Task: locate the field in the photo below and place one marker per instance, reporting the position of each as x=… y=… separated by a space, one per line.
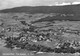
x=25 y=33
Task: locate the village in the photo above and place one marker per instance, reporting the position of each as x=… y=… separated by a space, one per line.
x=30 y=37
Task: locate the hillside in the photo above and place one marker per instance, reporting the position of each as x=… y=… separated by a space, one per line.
x=68 y=9
x=32 y=30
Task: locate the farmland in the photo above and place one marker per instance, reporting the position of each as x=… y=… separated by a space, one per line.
x=34 y=32
x=40 y=31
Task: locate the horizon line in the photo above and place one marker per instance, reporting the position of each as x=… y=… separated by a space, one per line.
x=42 y=5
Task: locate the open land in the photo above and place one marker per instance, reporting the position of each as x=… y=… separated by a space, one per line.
x=37 y=35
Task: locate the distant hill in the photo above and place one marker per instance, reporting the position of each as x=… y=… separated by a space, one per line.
x=67 y=9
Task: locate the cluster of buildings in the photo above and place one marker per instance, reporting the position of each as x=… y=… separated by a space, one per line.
x=34 y=34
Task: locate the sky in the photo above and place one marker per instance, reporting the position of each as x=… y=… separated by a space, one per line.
x=15 y=3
